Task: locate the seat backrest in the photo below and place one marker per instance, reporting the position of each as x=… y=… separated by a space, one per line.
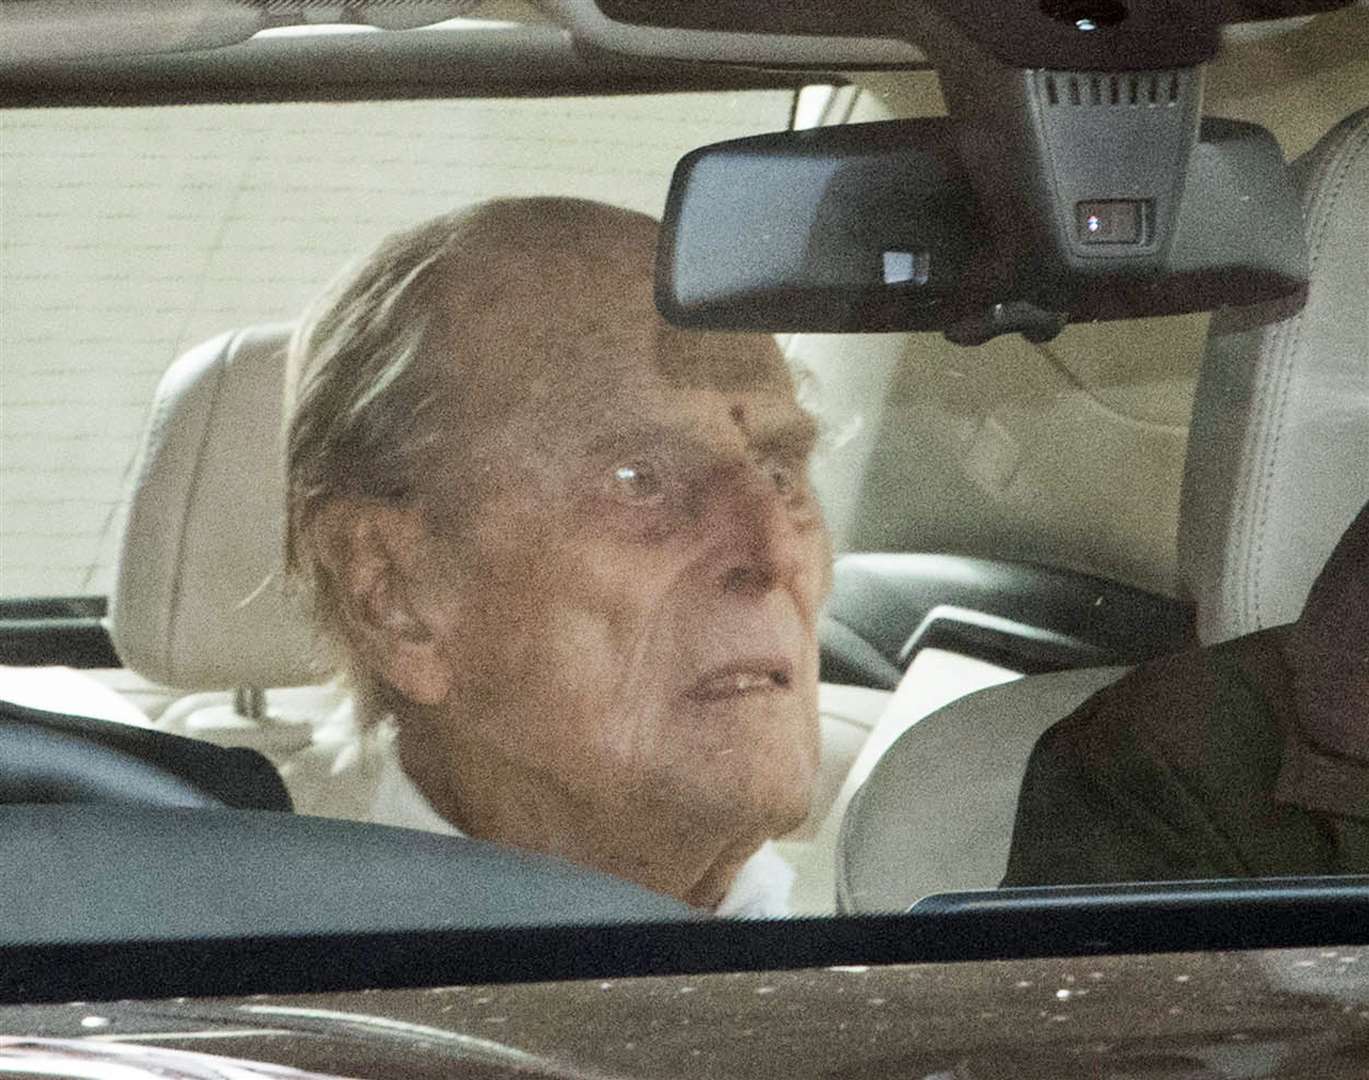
x=936 y=813
x=1277 y=467
x=200 y=599
x=1279 y=443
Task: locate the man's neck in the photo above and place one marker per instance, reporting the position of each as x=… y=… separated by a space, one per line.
x=652 y=844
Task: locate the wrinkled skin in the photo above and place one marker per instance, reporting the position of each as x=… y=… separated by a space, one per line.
x=614 y=659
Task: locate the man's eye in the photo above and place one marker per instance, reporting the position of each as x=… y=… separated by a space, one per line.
x=637 y=482
x=789 y=481
x=783 y=477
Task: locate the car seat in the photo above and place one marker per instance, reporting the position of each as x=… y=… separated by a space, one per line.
x=1277 y=466
x=200 y=601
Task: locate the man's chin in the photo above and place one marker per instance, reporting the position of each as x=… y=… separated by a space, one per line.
x=745 y=766
x=753 y=812
x=790 y=819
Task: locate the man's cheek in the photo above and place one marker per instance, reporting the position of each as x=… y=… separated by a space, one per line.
x=626 y=623
x=609 y=671
x=812 y=728
x=622 y=581
x=821 y=562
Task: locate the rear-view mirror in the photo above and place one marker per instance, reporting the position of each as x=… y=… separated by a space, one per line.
x=881 y=227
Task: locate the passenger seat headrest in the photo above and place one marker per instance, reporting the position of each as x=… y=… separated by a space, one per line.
x=1278 y=459
x=199 y=597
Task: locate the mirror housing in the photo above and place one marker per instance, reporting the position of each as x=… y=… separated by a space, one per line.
x=923 y=225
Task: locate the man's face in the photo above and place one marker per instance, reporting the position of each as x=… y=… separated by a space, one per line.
x=635 y=619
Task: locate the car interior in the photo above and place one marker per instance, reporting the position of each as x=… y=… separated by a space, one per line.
x=1275 y=470
x=1032 y=484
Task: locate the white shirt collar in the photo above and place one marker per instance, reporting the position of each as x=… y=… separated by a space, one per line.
x=397 y=800
x=761 y=888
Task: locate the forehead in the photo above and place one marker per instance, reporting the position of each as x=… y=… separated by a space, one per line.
x=723 y=395
x=703 y=423
x=579 y=346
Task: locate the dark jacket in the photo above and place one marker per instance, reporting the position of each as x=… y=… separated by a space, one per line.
x=1247 y=759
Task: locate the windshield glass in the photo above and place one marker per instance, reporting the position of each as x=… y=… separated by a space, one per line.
x=135 y=234
x=359 y=423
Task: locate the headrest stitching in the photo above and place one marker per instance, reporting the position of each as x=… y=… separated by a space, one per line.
x=1336 y=160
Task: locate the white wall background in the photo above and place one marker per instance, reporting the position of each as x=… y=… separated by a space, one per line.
x=129 y=235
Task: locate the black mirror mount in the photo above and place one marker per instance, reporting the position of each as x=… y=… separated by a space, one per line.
x=1014 y=317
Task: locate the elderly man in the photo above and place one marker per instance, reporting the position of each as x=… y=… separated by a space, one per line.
x=569 y=554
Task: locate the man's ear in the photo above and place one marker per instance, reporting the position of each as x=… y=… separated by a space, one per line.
x=380 y=560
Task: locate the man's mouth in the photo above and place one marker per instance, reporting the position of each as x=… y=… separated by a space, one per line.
x=738 y=680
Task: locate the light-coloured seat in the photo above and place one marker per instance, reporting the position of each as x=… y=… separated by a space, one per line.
x=1277 y=466
x=936 y=813
x=200 y=599
x=1279 y=443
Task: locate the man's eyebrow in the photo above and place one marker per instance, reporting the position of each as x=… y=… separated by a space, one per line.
x=795 y=437
x=635 y=433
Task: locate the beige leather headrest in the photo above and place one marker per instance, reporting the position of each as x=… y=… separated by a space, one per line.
x=1278 y=460
x=199 y=600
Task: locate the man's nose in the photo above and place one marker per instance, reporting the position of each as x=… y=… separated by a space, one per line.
x=760 y=544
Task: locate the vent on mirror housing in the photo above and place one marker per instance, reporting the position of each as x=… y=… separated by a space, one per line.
x=1138 y=89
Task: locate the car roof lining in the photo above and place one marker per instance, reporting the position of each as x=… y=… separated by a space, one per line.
x=509 y=61
x=499 y=48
